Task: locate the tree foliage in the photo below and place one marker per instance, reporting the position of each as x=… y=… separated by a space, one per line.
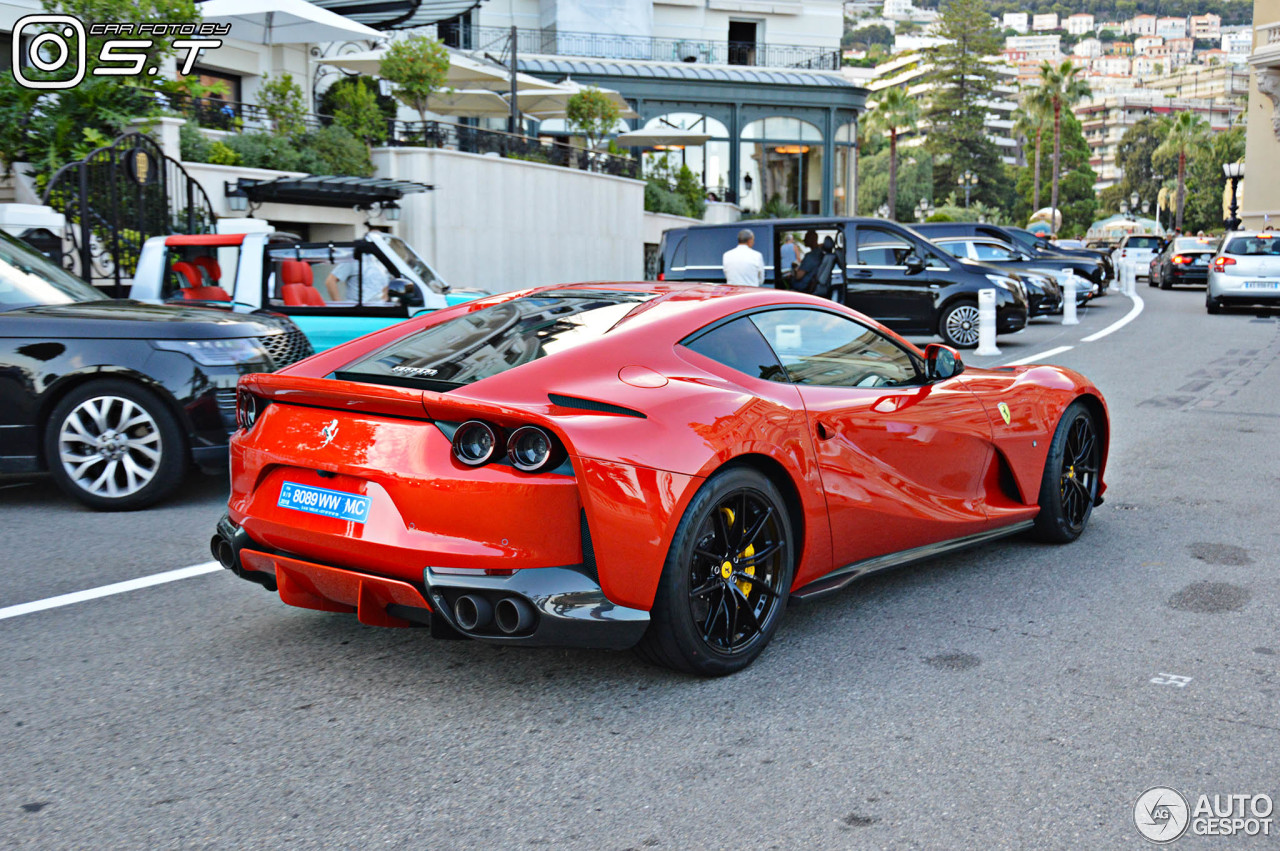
x=963 y=80
x=1187 y=131
x=1077 y=201
x=281 y=99
x=895 y=112
x=1061 y=88
x=915 y=179
x=591 y=113
x=419 y=66
x=356 y=109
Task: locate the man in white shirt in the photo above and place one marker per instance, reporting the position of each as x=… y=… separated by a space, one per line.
x=744 y=266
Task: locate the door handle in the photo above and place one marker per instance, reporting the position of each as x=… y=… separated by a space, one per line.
x=864 y=273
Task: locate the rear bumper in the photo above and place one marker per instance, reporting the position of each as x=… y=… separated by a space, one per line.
x=566 y=604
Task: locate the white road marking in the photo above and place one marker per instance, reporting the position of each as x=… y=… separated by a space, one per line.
x=1138 y=304
x=1171 y=680
x=1038 y=356
x=108 y=590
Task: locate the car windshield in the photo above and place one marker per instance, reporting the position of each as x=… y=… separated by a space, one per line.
x=494 y=339
x=415 y=263
x=1148 y=242
x=1247 y=246
x=28 y=279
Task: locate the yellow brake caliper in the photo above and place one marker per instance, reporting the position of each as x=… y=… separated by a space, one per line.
x=726 y=569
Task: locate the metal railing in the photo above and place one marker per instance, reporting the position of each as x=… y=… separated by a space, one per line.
x=651 y=48
x=477 y=140
x=220 y=114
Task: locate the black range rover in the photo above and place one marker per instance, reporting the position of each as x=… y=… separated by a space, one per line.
x=115 y=398
x=880 y=268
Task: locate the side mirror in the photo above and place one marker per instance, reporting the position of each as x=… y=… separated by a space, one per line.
x=404 y=291
x=913 y=263
x=941 y=362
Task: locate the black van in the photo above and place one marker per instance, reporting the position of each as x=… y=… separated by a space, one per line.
x=882 y=269
x=1085 y=262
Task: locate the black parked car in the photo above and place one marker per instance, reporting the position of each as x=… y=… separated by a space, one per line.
x=1184 y=260
x=1095 y=266
x=881 y=268
x=115 y=398
x=1044 y=296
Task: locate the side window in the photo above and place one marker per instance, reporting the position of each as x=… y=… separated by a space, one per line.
x=706 y=246
x=956 y=248
x=738 y=345
x=879 y=247
x=826 y=349
x=991 y=251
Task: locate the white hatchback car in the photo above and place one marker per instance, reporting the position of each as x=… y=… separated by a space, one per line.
x=1246 y=270
x=1139 y=249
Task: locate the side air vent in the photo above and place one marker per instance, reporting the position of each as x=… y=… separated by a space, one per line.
x=592 y=405
x=588 y=550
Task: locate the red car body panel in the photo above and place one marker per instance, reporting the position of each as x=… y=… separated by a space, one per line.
x=871 y=471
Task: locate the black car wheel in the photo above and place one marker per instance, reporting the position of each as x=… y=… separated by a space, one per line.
x=958 y=325
x=1212 y=305
x=1165 y=283
x=114 y=446
x=1069 y=487
x=725 y=582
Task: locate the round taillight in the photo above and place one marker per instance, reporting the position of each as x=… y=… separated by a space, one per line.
x=532 y=449
x=248 y=409
x=475 y=443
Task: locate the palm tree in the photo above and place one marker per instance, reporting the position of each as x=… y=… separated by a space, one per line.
x=1186 y=131
x=1034 y=120
x=896 y=111
x=1061 y=88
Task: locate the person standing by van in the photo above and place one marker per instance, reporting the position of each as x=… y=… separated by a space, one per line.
x=744 y=266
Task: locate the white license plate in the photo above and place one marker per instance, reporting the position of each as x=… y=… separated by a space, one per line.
x=1262 y=285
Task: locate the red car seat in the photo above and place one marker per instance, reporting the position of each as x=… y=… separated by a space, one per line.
x=298 y=287
x=194 y=289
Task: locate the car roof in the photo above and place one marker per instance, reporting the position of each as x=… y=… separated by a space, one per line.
x=796 y=223
x=1264 y=234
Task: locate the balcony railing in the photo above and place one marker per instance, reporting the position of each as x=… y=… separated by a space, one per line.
x=609 y=46
x=219 y=114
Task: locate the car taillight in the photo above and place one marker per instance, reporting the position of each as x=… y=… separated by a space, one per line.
x=1180 y=259
x=662 y=276
x=475 y=443
x=248 y=407
x=532 y=449
x=1224 y=261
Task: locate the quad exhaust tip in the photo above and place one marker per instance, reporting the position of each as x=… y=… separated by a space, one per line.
x=513 y=615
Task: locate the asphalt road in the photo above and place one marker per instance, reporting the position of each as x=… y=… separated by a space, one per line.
x=1016 y=696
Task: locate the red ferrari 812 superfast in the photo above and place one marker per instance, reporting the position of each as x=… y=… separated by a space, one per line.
x=661 y=466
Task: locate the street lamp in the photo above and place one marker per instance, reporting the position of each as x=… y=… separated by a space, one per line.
x=1133 y=201
x=1233 y=172
x=1124 y=209
x=924 y=210
x=968 y=180
x=882 y=211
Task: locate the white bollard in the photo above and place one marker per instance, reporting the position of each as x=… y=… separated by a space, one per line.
x=1069 y=298
x=986 y=323
x=1133 y=280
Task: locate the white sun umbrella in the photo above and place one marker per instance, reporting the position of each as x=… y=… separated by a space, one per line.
x=665 y=136
x=464 y=72
x=283 y=21
x=468 y=103
x=551 y=103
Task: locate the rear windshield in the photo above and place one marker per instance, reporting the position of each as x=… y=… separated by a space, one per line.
x=1152 y=242
x=494 y=339
x=1242 y=246
x=1191 y=243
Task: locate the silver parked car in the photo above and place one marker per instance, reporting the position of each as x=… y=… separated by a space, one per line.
x=1246 y=270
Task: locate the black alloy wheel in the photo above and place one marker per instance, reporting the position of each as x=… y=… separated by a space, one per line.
x=1069 y=488
x=726 y=579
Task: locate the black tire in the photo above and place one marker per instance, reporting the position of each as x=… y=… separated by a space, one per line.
x=1212 y=306
x=680 y=634
x=960 y=332
x=117 y=470
x=1165 y=284
x=1069 y=487
x=1151 y=281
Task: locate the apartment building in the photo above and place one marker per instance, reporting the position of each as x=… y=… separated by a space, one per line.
x=1260 y=205
x=1017 y=21
x=1205 y=26
x=1036 y=48
x=1171 y=27
x=1087 y=48
x=1141 y=25
x=1080 y=24
x=1044 y=23
x=1105 y=119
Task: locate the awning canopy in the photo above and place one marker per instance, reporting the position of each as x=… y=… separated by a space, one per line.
x=282 y=21
x=665 y=136
x=399 y=14
x=465 y=72
x=328 y=190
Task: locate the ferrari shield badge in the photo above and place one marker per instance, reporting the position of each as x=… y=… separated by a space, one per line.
x=1004 y=412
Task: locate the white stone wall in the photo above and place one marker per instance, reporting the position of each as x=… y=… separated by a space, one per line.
x=504 y=224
